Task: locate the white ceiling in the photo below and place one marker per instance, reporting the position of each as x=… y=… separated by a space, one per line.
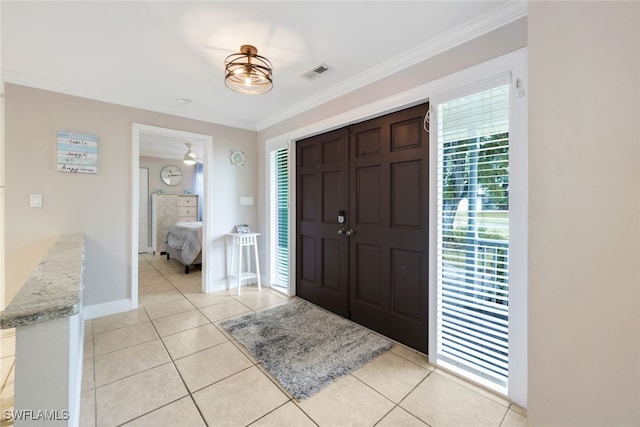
x=152 y=54
x=168 y=146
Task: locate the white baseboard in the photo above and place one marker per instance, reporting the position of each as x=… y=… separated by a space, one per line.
x=230 y=283
x=107 y=308
x=217 y=285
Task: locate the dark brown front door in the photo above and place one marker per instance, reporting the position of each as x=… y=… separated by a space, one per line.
x=376 y=273
x=321 y=192
x=389 y=192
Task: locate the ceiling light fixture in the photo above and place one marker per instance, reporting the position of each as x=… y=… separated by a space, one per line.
x=247 y=72
x=191 y=157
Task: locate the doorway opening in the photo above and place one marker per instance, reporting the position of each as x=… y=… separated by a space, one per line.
x=171 y=140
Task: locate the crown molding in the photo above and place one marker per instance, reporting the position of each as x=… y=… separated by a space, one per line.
x=499 y=17
x=193 y=113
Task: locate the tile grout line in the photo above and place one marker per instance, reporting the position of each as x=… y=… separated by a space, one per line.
x=123 y=326
x=9 y=372
x=124 y=348
x=256 y=363
x=395 y=343
x=230 y=339
x=504 y=417
x=145 y=370
x=131 y=375
x=407 y=395
x=395 y=405
x=234 y=298
x=476 y=389
x=173 y=362
x=95 y=389
x=153 y=410
x=431 y=369
x=191 y=393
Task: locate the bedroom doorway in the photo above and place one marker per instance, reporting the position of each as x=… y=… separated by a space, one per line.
x=172 y=143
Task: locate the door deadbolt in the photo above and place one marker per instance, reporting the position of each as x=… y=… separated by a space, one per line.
x=342 y=216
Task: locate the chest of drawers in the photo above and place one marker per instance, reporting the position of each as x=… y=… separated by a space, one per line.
x=166 y=210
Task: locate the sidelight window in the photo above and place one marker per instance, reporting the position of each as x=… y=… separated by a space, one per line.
x=473 y=240
x=279 y=218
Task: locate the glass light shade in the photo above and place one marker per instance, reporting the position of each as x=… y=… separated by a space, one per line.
x=247 y=72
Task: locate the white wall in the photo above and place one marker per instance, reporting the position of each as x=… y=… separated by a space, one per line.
x=98 y=205
x=584 y=214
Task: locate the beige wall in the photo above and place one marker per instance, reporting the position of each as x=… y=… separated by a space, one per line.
x=584 y=157
x=503 y=40
x=498 y=42
x=584 y=214
x=98 y=205
x=584 y=281
x=155 y=165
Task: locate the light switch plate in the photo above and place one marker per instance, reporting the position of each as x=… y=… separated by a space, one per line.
x=36 y=200
x=246 y=201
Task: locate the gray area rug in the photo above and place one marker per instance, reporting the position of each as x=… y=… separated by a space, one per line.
x=305 y=347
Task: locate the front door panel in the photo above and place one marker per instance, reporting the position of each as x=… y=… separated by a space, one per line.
x=376 y=273
x=389 y=206
x=321 y=191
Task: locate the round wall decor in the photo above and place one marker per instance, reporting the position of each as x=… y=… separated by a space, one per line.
x=236 y=158
x=171 y=175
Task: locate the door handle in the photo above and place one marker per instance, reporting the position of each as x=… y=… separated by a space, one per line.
x=341 y=232
x=350 y=232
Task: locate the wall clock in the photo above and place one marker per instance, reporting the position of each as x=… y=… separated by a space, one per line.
x=171 y=175
x=236 y=158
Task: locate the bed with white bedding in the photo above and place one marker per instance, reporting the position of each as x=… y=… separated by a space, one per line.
x=184 y=243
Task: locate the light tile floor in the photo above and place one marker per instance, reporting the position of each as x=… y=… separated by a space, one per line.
x=170 y=363
x=7 y=365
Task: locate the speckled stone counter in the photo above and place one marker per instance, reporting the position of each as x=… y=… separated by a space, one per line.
x=48 y=316
x=54 y=289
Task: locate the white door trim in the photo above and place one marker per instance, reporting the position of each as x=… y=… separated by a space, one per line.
x=514 y=62
x=459 y=85
x=144 y=192
x=207 y=141
x=270 y=146
x=2 y=254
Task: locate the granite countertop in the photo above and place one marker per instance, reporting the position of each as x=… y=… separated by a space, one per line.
x=53 y=290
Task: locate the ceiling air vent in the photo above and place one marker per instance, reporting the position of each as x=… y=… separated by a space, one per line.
x=316 y=72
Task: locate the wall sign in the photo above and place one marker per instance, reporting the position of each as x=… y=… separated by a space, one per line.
x=77 y=153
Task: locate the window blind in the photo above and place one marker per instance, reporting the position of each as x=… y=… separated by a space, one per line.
x=279 y=217
x=473 y=233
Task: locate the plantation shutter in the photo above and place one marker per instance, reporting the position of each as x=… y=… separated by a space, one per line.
x=473 y=233
x=279 y=217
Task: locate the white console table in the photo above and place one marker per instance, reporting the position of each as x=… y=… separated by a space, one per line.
x=240 y=241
